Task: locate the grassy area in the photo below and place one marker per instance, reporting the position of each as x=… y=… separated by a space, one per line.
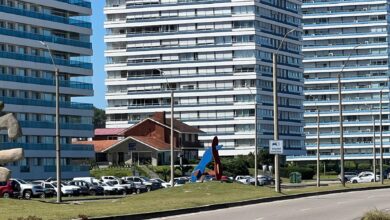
x=189 y=195
x=376 y=215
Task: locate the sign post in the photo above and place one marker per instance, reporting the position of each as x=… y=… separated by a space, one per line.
x=276 y=147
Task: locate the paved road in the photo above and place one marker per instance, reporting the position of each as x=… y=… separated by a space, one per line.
x=342 y=206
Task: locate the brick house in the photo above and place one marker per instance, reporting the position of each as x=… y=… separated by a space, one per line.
x=147 y=142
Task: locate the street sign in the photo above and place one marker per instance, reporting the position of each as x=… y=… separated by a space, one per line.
x=276 y=147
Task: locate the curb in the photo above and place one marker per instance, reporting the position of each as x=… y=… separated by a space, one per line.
x=213 y=207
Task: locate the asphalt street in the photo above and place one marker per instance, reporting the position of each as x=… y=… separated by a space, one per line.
x=341 y=206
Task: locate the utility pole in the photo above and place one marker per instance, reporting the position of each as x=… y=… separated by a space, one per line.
x=381 y=137
x=256 y=168
x=341 y=118
x=318 y=147
x=276 y=121
x=172 y=144
x=276 y=111
x=374 y=149
x=341 y=131
x=58 y=143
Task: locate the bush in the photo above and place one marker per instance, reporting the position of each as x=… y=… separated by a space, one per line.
x=118 y=172
x=307 y=172
x=376 y=215
x=364 y=166
x=234 y=166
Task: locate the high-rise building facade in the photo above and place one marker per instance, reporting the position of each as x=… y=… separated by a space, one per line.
x=350 y=38
x=27 y=82
x=217 y=57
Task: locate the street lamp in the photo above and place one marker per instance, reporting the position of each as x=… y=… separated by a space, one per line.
x=58 y=147
x=373 y=142
x=255 y=133
x=172 y=115
x=318 y=143
x=342 y=176
x=276 y=120
x=381 y=130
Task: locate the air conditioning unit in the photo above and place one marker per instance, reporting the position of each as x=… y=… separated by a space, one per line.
x=365 y=9
x=330 y=54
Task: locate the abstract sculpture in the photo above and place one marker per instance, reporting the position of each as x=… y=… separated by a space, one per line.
x=9 y=122
x=209 y=154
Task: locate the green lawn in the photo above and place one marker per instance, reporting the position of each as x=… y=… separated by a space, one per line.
x=190 y=195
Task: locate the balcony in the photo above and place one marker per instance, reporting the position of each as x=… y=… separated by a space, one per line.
x=48 y=147
x=47 y=60
x=44 y=38
x=81 y=3
x=67 y=168
x=47 y=17
x=52 y=125
x=49 y=82
x=36 y=102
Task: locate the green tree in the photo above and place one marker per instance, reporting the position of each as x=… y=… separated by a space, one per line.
x=99 y=118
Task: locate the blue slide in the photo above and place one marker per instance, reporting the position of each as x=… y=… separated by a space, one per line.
x=206 y=159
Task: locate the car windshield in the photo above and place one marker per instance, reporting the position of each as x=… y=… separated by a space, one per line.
x=21 y=181
x=144 y=178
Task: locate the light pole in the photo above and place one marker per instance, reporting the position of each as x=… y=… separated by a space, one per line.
x=342 y=176
x=172 y=115
x=58 y=146
x=276 y=111
x=373 y=142
x=255 y=134
x=318 y=147
x=381 y=131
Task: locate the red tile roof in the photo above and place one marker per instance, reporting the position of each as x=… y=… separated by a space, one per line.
x=154 y=143
x=100 y=145
x=108 y=131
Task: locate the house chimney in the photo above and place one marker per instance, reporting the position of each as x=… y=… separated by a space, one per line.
x=160 y=117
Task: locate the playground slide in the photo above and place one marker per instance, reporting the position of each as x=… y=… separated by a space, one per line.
x=206 y=159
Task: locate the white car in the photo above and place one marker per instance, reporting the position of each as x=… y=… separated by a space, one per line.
x=67 y=190
x=111 y=189
x=163 y=183
x=244 y=179
x=364 y=177
x=109 y=178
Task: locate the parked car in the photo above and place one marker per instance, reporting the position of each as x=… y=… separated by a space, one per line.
x=6 y=189
x=364 y=177
x=90 y=180
x=66 y=189
x=108 y=178
x=162 y=182
x=265 y=180
x=27 y=190
x=110 y=189
x=244 y=179
x=49 y=191
x=347 y=176
x=87 y=188
x=150 y=185
x=129 y=187
x=137 y=188
x=179 y=181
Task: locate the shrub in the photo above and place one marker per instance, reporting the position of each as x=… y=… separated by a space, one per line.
x=307 y=173
x=234 y=166
x=376 y=215
x=364 y=166
x=118 y=172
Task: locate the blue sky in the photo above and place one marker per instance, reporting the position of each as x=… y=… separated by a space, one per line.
x=98 y=59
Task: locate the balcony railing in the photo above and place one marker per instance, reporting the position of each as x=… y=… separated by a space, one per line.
x=38 y=37
x=47 y=17
x=49 y=147
x=81 y=3
x=40 y=59
x=35 y=102
x=49 y=82
x=51 y=125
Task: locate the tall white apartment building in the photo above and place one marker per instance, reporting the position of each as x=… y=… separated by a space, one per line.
x=27 y=82
x=351 y=34
x=217 y=57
